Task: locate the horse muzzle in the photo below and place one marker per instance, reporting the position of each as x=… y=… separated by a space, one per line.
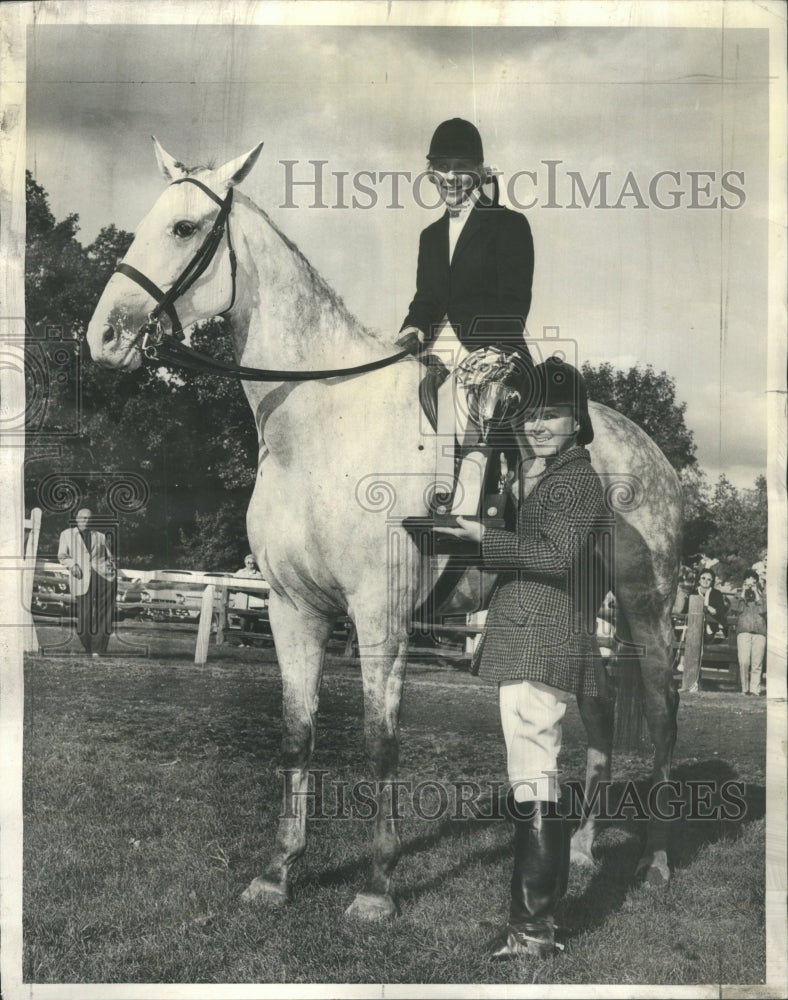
x=111 y=347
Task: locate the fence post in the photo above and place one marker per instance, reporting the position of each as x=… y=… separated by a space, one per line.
x=33 y=523
x=693 y=645
x=222 y=620
x=477 y=618
x=204 y=628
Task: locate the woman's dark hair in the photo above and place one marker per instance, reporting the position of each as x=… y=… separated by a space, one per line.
x=707 y=572
x=752 y=575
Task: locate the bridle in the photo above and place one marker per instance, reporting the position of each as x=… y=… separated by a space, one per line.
x=156 y=345
x=152 y=331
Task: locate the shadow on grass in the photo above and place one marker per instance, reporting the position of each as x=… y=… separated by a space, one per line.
x=621 y=842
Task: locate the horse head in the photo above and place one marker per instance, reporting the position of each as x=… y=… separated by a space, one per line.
x=180 y=264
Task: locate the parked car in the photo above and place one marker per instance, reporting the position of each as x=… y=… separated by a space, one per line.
x=52 y=594
x=173 y=600
x=128 y=597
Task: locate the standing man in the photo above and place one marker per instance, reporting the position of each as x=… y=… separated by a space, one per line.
x=475 y=271
x=539 y=645
x=93 y=581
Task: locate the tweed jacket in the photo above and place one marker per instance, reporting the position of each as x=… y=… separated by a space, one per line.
x=485 y=292
x=541 y=622
x=72 y=551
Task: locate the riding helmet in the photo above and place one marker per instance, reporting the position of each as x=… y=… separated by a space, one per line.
x=456 y=139
x=559 y=384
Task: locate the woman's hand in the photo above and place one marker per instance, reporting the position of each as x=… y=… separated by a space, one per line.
x=468 y=531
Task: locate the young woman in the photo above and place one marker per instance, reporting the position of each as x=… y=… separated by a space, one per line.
x=715 y=611
x=475 y=271
x=539 y=645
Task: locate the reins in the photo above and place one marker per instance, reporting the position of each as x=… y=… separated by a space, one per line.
x=172 y=352
x=158 y=346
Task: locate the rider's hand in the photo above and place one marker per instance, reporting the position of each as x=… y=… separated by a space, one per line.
x=410 y=339
x=76 y=572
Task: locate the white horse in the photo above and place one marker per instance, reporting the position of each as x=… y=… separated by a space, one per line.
x=342 y=460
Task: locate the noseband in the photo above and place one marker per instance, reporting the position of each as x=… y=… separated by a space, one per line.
x=152 y=332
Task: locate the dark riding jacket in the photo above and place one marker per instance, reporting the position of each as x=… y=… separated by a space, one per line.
x=542 y=619
x=485 y=291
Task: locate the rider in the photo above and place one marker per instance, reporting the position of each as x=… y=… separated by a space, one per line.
x=475 y=270
x=538 y=644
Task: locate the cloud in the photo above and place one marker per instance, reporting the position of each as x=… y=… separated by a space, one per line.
x=684 y=289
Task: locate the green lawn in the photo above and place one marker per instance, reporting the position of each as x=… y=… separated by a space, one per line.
x=151 y=795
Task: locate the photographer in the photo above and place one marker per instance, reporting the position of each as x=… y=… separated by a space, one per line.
x=751 y=633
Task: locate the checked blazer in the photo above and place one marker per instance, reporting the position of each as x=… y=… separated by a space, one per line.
x=541 y=622
x=485 y=292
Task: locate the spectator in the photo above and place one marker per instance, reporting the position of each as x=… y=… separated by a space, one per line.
x=715 y=611
x=94 y=581
x=751 y=632
x=250 y=569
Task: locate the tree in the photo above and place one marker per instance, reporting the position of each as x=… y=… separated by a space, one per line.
x=740 y=526
x=192 y=441
x=649 y=400
x=698 y=520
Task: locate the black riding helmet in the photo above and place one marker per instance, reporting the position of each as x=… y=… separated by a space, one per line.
x=456 y=139
x=557 y=383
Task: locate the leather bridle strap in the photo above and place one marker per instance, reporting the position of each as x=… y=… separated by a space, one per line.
x=160 y=348
x=193 y=270
x=171 y=352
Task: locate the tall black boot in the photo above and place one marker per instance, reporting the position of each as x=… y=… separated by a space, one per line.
x=539 y=879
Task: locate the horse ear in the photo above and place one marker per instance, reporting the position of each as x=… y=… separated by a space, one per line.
x=235 y=171
x=170 y=168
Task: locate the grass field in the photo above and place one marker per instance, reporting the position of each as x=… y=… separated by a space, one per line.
x=151 y=798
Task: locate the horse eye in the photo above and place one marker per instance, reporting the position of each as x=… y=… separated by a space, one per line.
x=184 y=229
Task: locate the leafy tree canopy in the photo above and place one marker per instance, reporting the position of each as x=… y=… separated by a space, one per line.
x=648 y=398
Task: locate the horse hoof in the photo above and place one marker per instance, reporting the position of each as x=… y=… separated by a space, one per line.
x=367 y=906
x=654 y=872
x=260 y=890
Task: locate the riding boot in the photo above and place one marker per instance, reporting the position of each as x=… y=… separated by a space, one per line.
x=539 y=879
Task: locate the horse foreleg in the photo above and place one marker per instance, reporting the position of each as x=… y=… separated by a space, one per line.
x=660 y=705
x=383 y=672
x=597 y=716
x=300 y=646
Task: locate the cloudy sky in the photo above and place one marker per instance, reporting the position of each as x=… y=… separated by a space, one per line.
x=664 y=268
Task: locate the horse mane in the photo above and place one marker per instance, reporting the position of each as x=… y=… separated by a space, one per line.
x=317 y=282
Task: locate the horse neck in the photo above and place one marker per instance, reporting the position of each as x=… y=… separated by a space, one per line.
x=286 y=316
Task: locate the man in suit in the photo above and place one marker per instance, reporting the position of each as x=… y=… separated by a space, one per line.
x=474 y=275
x=93 y=581
x=539 y=644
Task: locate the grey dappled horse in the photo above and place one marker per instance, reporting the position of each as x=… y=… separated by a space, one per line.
x=342 y=460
